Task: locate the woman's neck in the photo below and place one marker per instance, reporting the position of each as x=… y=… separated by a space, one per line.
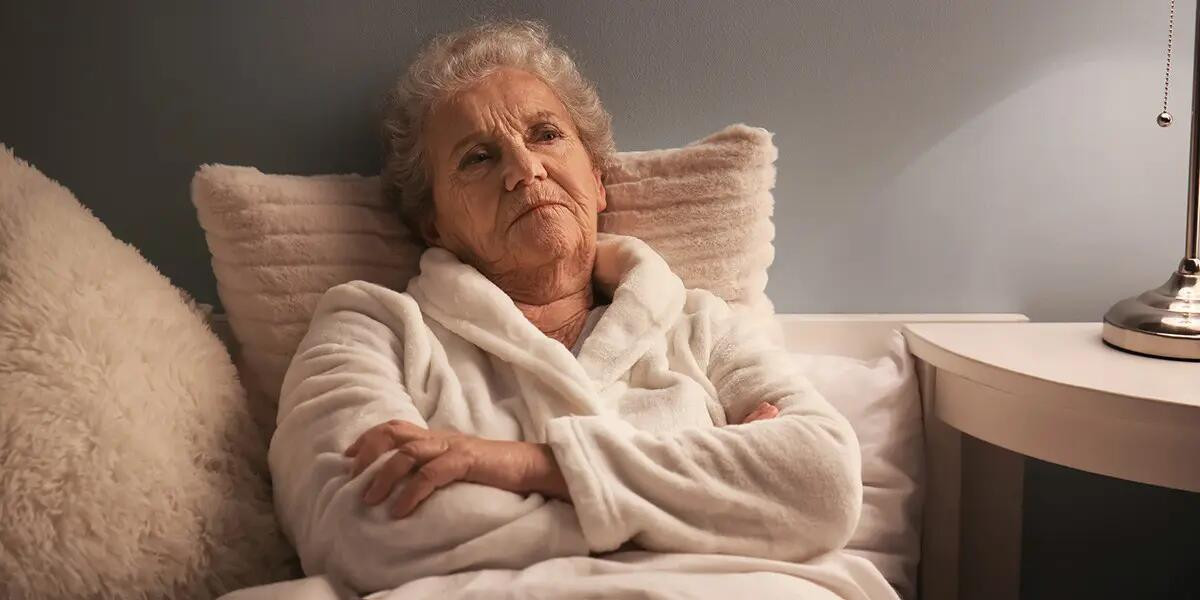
x=561 y=318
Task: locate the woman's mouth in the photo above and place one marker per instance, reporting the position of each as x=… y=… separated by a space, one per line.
x=533 y=209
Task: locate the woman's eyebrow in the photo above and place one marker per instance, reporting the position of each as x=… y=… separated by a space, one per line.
x=463 y=142
x=542 y=116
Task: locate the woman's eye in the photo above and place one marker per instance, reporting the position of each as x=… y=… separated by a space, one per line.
x=547 y=135
x=473 y=158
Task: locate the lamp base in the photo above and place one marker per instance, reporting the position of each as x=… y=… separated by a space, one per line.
x=1163 y=322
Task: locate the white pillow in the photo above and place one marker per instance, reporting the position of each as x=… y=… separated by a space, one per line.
x=131 y=466
x=706 y=208
x=278 y=242
x=881 y=399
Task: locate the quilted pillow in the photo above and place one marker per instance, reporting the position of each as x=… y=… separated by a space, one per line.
x=881 y=399
x=278 y=242
x=705 y=207
x=131 y=466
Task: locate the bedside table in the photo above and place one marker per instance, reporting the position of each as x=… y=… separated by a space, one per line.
x=1052 y=391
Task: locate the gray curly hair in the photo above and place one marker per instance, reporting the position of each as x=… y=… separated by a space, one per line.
x=454 y=61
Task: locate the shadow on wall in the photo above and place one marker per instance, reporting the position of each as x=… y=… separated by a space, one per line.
x=1043 y=202
x=1034 y=214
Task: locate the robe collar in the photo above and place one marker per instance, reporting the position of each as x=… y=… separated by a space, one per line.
x=647 y=298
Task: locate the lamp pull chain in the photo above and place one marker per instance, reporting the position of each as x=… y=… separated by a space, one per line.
x=1164 y=118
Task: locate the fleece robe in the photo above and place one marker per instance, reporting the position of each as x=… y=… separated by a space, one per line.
x=669 y=497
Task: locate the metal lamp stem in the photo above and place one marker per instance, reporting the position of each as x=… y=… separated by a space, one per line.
x=1192 y=250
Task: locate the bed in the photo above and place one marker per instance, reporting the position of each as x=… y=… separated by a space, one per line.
x=857 y=336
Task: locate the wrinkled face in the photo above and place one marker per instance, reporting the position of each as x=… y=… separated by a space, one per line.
x=513 y=187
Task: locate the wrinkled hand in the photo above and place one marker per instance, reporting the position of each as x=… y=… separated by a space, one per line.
x=764 y=411
x=440 y=458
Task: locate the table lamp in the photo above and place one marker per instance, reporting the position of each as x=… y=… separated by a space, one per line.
x=1165 y=322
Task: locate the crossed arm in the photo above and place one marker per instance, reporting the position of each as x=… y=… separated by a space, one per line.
x=436 y=459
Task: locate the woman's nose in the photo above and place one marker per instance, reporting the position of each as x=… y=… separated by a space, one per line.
x=524 y=167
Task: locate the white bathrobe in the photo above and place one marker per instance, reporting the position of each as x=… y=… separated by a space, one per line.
x=637 y=422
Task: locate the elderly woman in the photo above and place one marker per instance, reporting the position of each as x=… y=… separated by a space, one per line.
x=546 y=411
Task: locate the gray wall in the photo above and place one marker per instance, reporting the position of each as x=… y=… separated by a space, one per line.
x=965 y=156
x=934 y=156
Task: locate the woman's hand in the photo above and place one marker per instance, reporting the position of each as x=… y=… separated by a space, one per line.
x=443 y=457
x=764 y=411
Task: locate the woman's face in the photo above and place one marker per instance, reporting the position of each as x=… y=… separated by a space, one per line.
x=513 y=187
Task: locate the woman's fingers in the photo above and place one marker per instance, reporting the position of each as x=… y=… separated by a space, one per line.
x=439 y=472
x=396 y=429
x=353 y=449
x=768 y=412
x=383 y=437
x=764 y=411
x=373 y=446
x=387 y=476
x=403 y=431
x=410 y=456
x=754 y=415
x=418 y=447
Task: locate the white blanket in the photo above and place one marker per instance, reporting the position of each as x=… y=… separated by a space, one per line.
x=638 y=424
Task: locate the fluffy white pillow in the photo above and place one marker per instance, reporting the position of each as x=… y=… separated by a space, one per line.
x=131 y=467
x=279 y=241
x=881 y=399
x=706 y=208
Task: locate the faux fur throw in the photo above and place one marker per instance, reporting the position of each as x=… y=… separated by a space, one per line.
x=639 y=423
x=278 y=242
x=129 y=464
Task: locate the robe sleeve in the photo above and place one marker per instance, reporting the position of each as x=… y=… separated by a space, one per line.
x=787 y=488
x=347 y=375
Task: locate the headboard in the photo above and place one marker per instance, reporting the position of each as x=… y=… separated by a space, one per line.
x=863 y=335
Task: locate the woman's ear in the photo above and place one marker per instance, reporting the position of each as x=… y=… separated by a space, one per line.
x=602 y=197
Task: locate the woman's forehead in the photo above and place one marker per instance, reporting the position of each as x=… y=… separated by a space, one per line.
x=505 y=96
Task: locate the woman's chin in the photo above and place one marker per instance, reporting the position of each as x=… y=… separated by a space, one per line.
x=541 y=243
